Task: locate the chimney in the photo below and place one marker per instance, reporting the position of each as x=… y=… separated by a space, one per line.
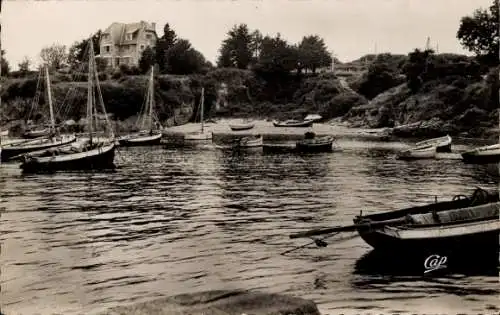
x=153 y=25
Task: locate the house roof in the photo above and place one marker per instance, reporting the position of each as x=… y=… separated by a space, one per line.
x=118 y=31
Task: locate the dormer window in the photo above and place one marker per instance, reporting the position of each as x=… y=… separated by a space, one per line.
x=129 y=36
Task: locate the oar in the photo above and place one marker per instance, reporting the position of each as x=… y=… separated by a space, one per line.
x=349 y=228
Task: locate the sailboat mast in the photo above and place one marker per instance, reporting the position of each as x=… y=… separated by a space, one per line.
x=151 y=96
x=90 y=95
x=49 y=94
x=202 y=105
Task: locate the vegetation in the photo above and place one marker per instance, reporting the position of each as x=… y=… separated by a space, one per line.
x=266 y=76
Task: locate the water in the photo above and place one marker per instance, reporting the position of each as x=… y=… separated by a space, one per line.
x=174 y=221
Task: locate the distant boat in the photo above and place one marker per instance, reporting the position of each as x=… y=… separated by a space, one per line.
x=313 y=117
x=428 y=152
x=311 y=143
x=245 y=125
x=93 y=153
x=463 y=225
x=203 y=134
x=442 y=144
x=149 y=135
x=483 y=155
x=293 y=123
x=250 y=142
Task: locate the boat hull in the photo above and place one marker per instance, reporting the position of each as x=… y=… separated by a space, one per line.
x=140 y=140
x=471 y=158
x=15 y=149
x=417 y=154
x=198 y=136
x=100 y=158
x=241 y=127
x=442 y=144
x=35 y=134
x=315 y=145
x=302 y=124
x=381 y=240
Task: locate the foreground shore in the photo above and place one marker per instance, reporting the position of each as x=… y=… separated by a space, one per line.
x=220 y=303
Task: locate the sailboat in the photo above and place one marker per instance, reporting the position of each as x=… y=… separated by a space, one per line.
x=93 y=153
x=54 y=139
x=149 y=135
x=202 y=134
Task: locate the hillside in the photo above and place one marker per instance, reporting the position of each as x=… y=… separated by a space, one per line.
x=457 y=98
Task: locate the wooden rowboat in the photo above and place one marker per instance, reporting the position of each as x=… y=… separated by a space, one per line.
x=483 y=155
x=460 y=226
x=293 y=123
x=442 y=144
x=311 y=143
x=142 y=138
x=241 y=126
x=428 y=152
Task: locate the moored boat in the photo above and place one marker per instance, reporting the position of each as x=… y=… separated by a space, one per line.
x=460 y=226
x=428 y=152
x=311 y=143
x=37 y=133
x=250 y=142
x=93 y=153
x=293 y=123
x=313 y=117
x=149 y=135
x=203 y=134
x=241 y=126
x=483 y=155
x=442 y=144
x=37 y=140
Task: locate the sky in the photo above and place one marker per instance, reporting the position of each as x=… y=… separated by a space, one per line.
x=350 y=28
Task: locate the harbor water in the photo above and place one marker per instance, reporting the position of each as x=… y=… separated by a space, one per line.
x=172 y=221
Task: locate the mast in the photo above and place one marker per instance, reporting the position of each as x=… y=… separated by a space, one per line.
x=151 y=95
x=202 y=105
x=49 y=94
x=89 y=93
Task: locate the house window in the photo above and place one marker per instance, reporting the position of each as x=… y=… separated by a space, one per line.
x=129 y=36
x=107 y=49
x=148 y=36
x=142 y=47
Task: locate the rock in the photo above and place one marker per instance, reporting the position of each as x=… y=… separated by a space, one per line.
x=220 y=303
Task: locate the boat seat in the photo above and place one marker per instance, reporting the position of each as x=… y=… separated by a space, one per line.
x=473 y=213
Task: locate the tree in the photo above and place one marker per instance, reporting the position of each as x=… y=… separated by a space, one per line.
x=5 y=64
x=256 y=44
x=313 y=53
x=147 y=59
x=479 y=33
x=163 y=44
x=78 y=51
x=54 y=56
x=236 y=50
x=277 y=55
x=416 y=68
x=181 y=58
x=24 y=66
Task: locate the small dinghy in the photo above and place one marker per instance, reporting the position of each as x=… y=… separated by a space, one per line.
x=428 y=152
x=463 y=225
x=293 y=123
x=311 y=143
x=483 y=155
x=240 y=126
x=442 y=144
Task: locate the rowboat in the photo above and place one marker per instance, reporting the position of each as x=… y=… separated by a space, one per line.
x=245 y=125
x=428 y=152
x=293 y=123
x=483 y=155
x=461 y=226
x=251 y=142
x=311 y=143
x=143 y=138
x=442 y=144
